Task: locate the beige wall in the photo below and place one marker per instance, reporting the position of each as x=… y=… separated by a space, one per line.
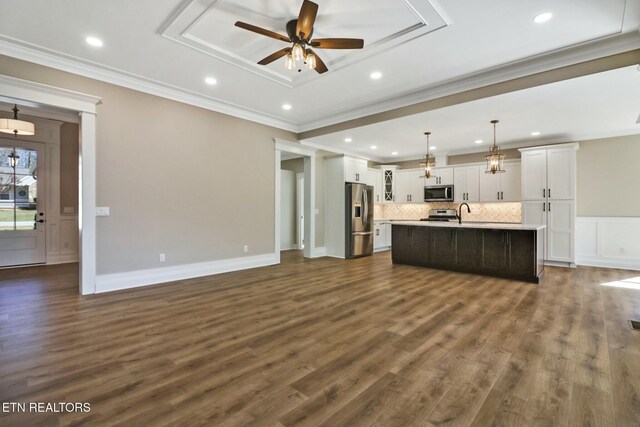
x=191 y=183
x=293 y=165
x=608 y=183
x=460 y=159
x=69 y=137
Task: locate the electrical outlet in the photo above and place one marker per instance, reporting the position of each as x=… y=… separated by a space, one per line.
x=163 y=258
x=622 y=251
x=246 y=249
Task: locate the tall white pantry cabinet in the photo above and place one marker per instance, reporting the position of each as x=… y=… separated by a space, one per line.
x=549 y=197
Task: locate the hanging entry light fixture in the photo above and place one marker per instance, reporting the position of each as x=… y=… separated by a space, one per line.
x=15 y=126
x=495 y=159
x=429 y=161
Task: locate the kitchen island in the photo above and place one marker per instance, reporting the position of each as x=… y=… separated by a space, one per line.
x=508 y=250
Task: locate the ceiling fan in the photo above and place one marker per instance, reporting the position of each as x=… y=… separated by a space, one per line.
x=299 y=33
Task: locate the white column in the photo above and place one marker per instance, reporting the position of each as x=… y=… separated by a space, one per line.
x=87 y=205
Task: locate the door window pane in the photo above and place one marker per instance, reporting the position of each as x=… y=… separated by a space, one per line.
x=18 y=188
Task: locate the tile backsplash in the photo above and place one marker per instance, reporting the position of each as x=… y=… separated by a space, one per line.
x=492 y=212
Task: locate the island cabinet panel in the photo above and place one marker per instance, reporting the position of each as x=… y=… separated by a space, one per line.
x=494 y=252
x=443 y=247
x=412 y=245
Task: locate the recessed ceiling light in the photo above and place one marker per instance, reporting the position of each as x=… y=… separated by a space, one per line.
x=210 y=81
x=543 y=17
x=479 y=141
x=535 y=133
x=348 y=140
x=376 y=75
x=94 y=41
x=395 y=153
x=374 y=147
x=287 y=107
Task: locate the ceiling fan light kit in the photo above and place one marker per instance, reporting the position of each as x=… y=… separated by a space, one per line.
x=299 y=32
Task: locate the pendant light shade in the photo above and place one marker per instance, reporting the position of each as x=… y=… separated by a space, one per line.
x=429 y=161
x=15 y=126
x=495 y=159
x=298 y=52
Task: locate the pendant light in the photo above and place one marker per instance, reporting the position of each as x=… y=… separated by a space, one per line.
x=15 y=126
x=289 y=62
x=429 y=161
x=495 y=159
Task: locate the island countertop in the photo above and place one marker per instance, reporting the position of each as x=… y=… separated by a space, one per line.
x=489 y=225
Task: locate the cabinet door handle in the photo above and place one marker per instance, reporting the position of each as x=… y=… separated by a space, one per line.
x=549 y=206
x=502 y=195
x=544 y=193
x=549 y=192
x=498 y=195
x=544 y=207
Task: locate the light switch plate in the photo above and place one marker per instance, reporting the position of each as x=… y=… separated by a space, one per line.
x=102 y=211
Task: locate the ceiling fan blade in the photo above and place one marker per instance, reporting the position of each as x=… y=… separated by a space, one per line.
x=262 y=31
x=337 y=43
x=279 y=54
x=320 y=66
x=306 y=19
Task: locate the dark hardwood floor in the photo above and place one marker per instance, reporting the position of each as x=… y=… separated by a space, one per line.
x=324 y=342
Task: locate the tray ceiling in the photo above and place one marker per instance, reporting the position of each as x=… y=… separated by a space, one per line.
x=208 y=26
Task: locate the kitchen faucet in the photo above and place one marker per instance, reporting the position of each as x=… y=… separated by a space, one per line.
x=460 y=211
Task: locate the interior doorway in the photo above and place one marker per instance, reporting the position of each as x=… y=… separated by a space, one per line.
x=62 y=102
x=299 y=162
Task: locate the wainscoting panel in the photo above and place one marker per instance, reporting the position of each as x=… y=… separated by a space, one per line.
x=608 y=242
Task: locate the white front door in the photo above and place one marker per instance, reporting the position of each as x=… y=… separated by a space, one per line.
x=22 y=191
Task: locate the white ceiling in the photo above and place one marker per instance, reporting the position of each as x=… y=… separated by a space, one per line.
x=595 y=106
x=162 y=46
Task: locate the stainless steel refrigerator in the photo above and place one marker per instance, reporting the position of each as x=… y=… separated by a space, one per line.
x=359 y=217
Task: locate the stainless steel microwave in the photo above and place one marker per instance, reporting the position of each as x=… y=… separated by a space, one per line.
x=438 y=193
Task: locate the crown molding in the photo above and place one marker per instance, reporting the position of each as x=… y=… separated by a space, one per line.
x=340 y=152
x=50 y=58
x=571 y=55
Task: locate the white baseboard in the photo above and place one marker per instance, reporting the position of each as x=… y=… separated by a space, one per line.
x=609 y=242
x=319 y=252
x=134 y=279
x=62 y=259
x=609 y=263
x=385 y=248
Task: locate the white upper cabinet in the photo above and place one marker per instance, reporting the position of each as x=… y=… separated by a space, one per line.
x=549 y=173
x=374 y=178
x=501 y=187
x=409 y=186
x=561 y=173
x=403 y=187
x=441 y=176
x=355 y=170
x=388 y=184
x=466 y=184
x=534 y=175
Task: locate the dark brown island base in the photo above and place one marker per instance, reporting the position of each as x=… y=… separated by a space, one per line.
x=512 y=251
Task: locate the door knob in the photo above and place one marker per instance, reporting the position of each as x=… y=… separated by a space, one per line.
x=41 y=221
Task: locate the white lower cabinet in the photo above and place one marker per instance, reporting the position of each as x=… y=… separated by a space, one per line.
x=559 y=217
x=381 y=236
x=560 y=226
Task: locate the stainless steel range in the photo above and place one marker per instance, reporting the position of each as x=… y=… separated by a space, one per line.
x=441 y=215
